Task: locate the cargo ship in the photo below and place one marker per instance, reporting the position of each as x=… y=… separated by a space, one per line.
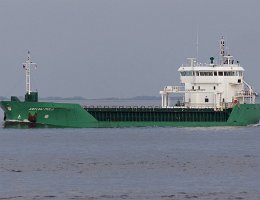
x=213 y=94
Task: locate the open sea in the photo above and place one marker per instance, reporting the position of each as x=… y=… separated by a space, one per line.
x=130 y=163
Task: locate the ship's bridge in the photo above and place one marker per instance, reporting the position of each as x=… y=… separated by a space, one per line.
x=211 y=74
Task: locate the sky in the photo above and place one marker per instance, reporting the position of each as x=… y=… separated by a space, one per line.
x=120 y=48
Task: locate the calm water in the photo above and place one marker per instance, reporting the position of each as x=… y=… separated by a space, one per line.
x=130 y=163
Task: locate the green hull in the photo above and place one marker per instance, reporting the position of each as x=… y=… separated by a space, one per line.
x=46 y=114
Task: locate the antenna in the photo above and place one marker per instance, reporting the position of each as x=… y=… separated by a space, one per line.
x=27 y=66
x=197 y=46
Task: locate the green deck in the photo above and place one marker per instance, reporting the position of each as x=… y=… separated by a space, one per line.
x=144 y=114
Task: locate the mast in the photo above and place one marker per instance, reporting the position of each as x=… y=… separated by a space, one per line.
x=221 y=50
x=27 y=66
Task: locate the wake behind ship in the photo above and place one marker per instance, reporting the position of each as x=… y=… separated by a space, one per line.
x=213 y=95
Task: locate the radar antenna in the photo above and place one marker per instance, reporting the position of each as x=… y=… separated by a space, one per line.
x=27 y=66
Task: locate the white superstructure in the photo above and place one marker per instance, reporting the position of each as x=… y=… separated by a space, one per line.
x=211 y=85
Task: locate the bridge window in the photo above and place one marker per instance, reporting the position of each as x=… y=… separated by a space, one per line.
x=206 y=73
x=231 y=73
x=220 y=73
x=238 y=73
x=187 y=73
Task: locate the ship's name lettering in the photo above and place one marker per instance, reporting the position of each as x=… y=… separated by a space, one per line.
x=41 y=109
